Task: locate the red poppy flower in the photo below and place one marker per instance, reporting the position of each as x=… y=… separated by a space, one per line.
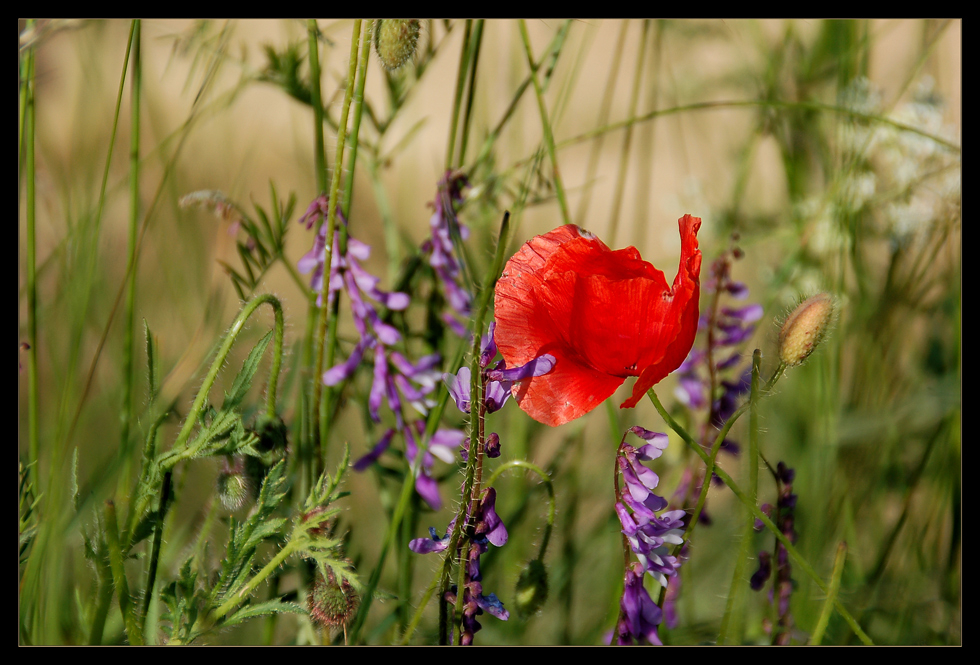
x=604 y=315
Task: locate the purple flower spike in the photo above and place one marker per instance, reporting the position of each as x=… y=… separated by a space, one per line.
x=639 y=616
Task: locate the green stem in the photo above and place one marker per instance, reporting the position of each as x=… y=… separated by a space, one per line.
x=624 y=154
x=458 y=96
x=732 y=622
x=133 y=629
x=828 y=604
x=103 y=602
x=474 y=59
x=549 y=139
x=29 y=168
x=253 y=583
x=320 y=422
x=752 y=103
x=319 y=153
x=546 y=479
x=236 y=327
x=736 y=490
x=129 y=315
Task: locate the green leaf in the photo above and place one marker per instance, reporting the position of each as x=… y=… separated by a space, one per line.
x=263 y=609
x=151 y=361
x=244 y=379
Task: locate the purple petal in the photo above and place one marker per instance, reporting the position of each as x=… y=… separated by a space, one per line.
x=536 y=367
x=459 y=388
x=375 y=453
x=428 y=489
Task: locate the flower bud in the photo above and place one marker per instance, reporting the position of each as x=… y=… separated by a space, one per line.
x=332 y=603
x=532 y=588
x=234 y=487
x=805 y=327
x=395 y=41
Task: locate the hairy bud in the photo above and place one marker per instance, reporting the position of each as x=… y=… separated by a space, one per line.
x=395 y=41
x=234 y=488
x=532 y=588
x=805 y=328
x=332 y=603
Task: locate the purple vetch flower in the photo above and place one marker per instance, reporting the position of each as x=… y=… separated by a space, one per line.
x=650 y=536
x=498 y=380
x=488 y=529
x=639 y=616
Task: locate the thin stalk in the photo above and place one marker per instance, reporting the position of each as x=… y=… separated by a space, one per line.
x=458 y=96
x=103 y=602
x=752 y=103
x=474 y=59
x=157 y=542
x=607 y=98
x=758 y=514
x=319 y=153
x=29 y=175
x=624 y=154
x=320 y=422
x=732 y=622
x=549 y=139
x=360 y=75
x=307 y=440
x=129 y=316
x=828 y=604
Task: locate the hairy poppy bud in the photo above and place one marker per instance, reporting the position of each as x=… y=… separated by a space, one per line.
x=234 y=487
x=395 y=41
x=805 y=327
x=332 y=603
x=532 y=588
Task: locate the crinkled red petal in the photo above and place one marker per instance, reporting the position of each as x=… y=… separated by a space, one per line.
x=605 y=315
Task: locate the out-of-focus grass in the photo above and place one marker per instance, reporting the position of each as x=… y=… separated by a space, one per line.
x=825 y=145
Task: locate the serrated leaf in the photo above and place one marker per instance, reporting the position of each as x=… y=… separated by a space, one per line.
x=263 y=609
x=267 y=529
x=244 y=379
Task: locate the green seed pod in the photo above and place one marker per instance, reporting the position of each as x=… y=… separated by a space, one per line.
x=532 y=589
x=395 y=41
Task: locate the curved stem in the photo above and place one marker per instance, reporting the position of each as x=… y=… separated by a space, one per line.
x=236 y=327
x=546 y=479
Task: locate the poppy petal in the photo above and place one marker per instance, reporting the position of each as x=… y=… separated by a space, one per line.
x=680 y=309
x=604 y=315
